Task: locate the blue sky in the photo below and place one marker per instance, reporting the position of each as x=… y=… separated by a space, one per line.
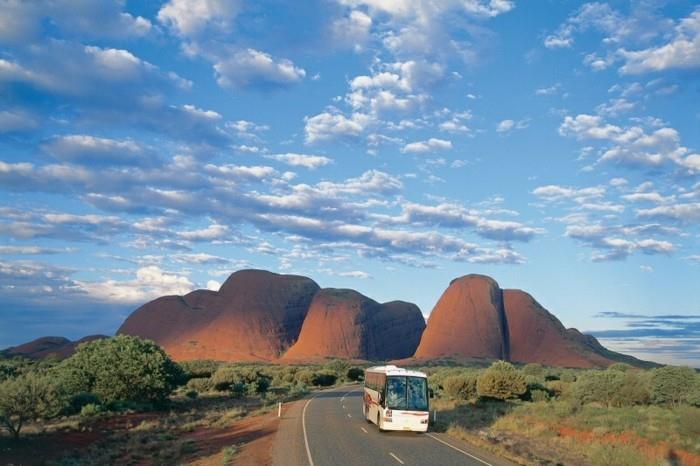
x=151 y=148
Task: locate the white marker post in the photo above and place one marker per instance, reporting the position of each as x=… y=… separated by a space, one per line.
x=279 y=409
x=435 y=415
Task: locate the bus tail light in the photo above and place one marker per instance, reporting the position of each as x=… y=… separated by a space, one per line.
x=424 y=421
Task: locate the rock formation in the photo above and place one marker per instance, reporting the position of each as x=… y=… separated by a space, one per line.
x=346 y=324
x=43 y=347
x=467 y=321
x=256 y=315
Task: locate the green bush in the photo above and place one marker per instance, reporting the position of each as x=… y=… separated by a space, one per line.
x=672 y=385
x=611 y=388
x=337 y=366
x=306 y=377
x=620 y=367
x=325 y=378
x=501 y=381
x=539 y=395
x=557 y=387
x=355 y=374
x=534 y=369
x=192 y=394
x=90 y=409
x=78 y=400
x=202 y=385
x=122 y=368
x=199 y=368
x=28 y=397
x=460 y=387
x=689 y=422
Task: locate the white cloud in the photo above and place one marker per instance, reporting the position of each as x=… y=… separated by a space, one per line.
x=332 y=124
x=213 y=285
x=150 y=282
x=352 y=30
x=192 y=17
x=16 y=120
x=506 y=126
x=683 y=51
x=632 y=145
x=429 y=145
x=85 y=149
x=302 y=160
x=253 y=68
x=212 y=232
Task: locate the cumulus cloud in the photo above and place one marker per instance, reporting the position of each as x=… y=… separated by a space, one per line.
x=22 y=21
x=506 y=126
x=302 y=160
x=332 y=124
x=192 y=17
x=428 y=145
x=683 y=51
x=632 y=145
x=150 y=282
x=85 y=149
x=253 y=68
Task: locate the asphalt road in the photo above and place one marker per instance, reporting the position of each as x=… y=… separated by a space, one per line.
x=328 y=429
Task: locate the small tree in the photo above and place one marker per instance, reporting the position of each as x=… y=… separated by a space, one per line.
x=355 y=374
x=26 y=398
x=501 y=381
x=533 y=369
x=460 y=387
x=671 y=384
x=122 y=368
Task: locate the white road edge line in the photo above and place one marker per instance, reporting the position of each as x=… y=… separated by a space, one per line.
x=396 y=458
x=303 y=426
x=458 y=449
x=364 y=430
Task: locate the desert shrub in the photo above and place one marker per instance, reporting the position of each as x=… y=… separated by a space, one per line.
x=355 y=374
x=568 y=376
x=620 y=367
x=90 y=409
x=460 y=387
x=226 y=377
x=337 y=366
x=11 y=368
x=305 y=376
x=671 y=384
x=604 y=454
x=538 y=394
x=77 y=401
x=122 y=368
x=610 y=388
x=534 y=369
x=694 y=395
x=689 y=422
x=501 y=381
x=28 y=397
x=325 y=378
x=199 y=368
x=192 y=394
x=556 y=387
x=284 y=375
x=202 y=385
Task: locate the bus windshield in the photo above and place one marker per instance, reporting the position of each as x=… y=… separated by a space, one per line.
x=407 y=393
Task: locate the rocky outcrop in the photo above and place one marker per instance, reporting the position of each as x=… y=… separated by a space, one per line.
x=474 y=318
x=346 y=324
x=537 y=336
x=43 y=347
x=255 y=315
x=467 y=321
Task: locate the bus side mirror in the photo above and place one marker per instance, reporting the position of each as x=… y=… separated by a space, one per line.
x=431 y=393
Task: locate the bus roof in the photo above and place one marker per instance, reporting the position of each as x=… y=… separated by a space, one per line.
x=393 y=370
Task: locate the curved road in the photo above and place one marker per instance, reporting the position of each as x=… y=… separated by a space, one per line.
x=329 y=429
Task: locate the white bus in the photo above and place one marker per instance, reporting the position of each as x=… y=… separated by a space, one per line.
x=396 y=399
